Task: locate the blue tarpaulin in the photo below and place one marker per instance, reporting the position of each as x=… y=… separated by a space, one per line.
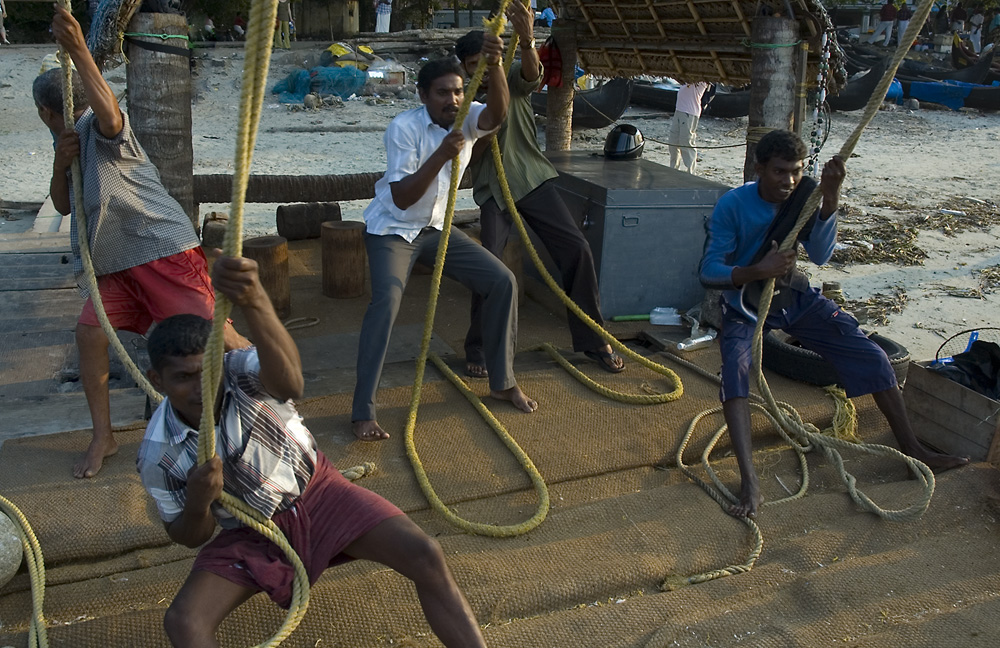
x=340 y=81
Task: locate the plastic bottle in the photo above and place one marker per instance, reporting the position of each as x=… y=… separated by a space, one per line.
x=692 y=343
x=665 y=316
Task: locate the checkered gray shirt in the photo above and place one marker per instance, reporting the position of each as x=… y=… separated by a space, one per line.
x=268 y=455
x=131 y=219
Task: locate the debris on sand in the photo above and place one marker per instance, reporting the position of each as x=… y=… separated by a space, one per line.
x=876 y=309
x=960 y=214
x=989 y=279
x=879 y=241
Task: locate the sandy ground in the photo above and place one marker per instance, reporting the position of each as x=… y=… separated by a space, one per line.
x=908 y=166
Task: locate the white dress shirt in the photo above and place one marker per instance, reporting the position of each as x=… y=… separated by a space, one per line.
x=410 y=140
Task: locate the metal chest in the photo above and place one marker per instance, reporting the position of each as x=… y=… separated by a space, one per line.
x=645 y=224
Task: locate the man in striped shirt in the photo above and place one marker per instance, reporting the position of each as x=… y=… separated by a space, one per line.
x=145 y=252
x=268 y=459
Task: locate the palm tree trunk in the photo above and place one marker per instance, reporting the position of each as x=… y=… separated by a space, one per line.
x=772 y=69
x=559 y=110
x=159 y=104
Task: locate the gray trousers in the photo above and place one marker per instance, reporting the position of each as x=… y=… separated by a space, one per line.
x=390 y=259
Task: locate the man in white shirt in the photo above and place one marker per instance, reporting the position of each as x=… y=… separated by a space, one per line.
x=684 y=127
x=404 y=224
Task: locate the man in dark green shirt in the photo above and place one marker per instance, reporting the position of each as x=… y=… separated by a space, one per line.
x=529 y=175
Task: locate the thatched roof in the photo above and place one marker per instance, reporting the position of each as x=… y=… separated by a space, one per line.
x=689 y=40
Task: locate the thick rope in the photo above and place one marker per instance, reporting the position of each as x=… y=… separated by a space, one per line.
x=804 y=436
x=37 y=633
x=493 y=26
x=258 y=57
x=636 y=399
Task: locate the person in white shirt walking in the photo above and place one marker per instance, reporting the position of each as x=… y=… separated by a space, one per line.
x=684 y=127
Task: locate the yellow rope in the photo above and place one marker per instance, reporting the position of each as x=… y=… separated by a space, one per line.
x=37 y=634
x=804 y=437
x=646 y=399
x=258 y=56
x=493 y=26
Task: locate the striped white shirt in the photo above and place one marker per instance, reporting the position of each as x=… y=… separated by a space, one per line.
x=268 y=455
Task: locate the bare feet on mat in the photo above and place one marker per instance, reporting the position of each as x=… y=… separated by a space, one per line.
x=100 y=449
x=516 y=397
x=368 y=431
x=750 y=501
x=476 y=370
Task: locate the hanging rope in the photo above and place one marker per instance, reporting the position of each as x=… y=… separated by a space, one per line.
x=494 y=26
x=800 y=435
x=258 y=56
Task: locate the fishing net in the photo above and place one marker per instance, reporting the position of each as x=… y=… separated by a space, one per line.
x=107 y=28
x=962 y=341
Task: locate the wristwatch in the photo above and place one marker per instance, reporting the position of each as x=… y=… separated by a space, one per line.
x=528 y=43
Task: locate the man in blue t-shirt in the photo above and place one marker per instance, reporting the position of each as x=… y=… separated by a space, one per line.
x=738 y=257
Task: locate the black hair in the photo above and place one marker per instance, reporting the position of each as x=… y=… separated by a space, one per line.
x=47 y=91
x=178 y=336
x=782 y=144
x=436 y=69
x=469 y=45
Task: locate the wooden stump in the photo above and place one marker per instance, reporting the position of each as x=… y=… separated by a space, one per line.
x=305 y=220
x=213 y=230
x=344 y=259
x=271 y=255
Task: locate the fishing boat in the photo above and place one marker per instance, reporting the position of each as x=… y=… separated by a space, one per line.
x=595 y=108
x=953 y=94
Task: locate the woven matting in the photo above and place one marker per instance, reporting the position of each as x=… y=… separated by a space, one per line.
x=622 y=519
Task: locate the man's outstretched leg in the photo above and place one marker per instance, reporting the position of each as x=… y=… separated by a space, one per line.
x=401 y=545
x=737 y=413
x=201 y=605
x=92 y=344
x=890 y=402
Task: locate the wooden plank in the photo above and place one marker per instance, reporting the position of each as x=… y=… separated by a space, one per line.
x=951 y=417
x=36 y=259
x=976 y=405
x=942 y=438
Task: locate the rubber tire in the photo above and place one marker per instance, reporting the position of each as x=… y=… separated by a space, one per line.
x=785 y=357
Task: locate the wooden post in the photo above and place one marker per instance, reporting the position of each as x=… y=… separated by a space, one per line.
x=160 y=111
x=772 y=92
x=305 y=220
x=802 y=83
x=344 y=259
x=271 y=255
x=559 y=101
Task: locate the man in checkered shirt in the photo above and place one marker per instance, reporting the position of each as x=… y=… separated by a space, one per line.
x=268 y=459
x=145 y=251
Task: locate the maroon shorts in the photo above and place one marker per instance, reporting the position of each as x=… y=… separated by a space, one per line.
x=329 y=516
x=152 y=292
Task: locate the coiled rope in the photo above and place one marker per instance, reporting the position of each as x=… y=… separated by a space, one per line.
x=805 y=436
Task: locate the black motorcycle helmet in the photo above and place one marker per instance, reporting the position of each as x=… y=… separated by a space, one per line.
x=624 y=143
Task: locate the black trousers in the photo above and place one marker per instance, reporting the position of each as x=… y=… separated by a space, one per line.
x=545 y=212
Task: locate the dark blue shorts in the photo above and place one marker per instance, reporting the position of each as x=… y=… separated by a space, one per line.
x=820 y=326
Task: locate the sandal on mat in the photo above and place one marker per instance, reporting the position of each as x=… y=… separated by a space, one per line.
x=609 y=361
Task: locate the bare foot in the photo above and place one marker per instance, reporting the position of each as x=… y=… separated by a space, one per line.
x=750 y=501
x=100 y=449
x=939 y=462
x=516 y=397
x=368 y=431
x=476 y=370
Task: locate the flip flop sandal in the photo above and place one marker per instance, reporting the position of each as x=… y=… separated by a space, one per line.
x=609 y=361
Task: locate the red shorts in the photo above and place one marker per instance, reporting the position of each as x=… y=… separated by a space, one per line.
x=137 y=297
x=330 y=515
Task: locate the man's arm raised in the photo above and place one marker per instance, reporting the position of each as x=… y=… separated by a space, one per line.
x=67 y=33
x=497 y=94
x=280 y=364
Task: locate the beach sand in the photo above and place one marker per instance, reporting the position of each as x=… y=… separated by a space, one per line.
x=908 y=165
